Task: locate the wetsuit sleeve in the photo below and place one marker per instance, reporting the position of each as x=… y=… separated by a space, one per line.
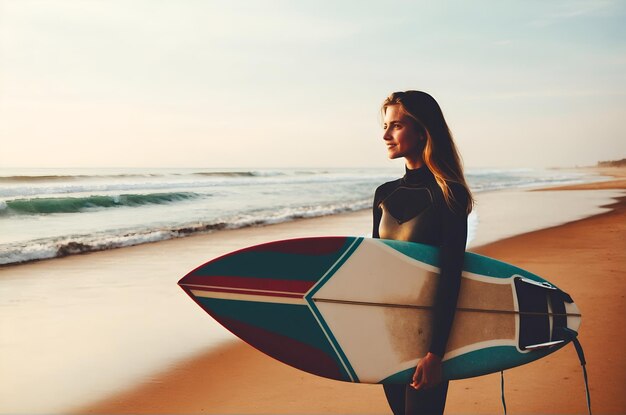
x=451 y=254
x=377 y=214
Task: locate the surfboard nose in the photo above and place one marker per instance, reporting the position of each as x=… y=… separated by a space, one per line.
x=189 y=279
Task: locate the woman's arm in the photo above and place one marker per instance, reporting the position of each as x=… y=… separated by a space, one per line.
x=376 y=213
x=451 y=254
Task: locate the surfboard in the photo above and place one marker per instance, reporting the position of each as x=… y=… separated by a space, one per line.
x=360 y=309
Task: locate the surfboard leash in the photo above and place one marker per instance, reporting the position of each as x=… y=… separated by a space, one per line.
x=583 y=363
x=502 y=388
x=573 y=336
x=581 y=357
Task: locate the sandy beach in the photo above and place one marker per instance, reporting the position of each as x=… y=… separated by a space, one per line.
x=169 y=357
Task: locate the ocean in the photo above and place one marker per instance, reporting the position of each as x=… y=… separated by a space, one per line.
x=48 y=213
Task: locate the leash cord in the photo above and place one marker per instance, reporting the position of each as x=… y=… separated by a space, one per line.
x=581 y=357
x=502 y=388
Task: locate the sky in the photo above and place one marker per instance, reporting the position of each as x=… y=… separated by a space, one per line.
x=200 y=83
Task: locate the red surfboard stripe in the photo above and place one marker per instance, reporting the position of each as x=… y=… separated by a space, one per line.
x=266 y=284
x=285 y=349
x=307 y=246
x=246 y=292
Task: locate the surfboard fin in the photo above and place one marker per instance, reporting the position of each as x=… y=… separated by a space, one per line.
x=560 y=293
x=543 y=284
x=543 y=345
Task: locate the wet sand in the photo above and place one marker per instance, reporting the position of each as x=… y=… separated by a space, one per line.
x=586 y=257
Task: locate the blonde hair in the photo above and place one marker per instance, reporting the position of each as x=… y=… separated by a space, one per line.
x=440 y=153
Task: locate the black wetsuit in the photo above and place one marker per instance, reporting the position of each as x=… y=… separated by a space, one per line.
x=413 y=209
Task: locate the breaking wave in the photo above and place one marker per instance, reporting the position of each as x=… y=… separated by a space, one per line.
x=79 y=244
x=49 y=205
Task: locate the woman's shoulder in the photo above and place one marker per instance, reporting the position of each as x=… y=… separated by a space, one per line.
x=385 y=189
x=459 y=197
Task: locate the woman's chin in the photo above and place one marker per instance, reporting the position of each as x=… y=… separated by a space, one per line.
x=391 y=154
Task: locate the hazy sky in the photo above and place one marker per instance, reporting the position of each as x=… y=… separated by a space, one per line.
x=158 y=83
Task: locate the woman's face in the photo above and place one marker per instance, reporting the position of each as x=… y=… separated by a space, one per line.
x=401 y=137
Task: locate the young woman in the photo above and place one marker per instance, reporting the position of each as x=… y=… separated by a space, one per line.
x=429 y=205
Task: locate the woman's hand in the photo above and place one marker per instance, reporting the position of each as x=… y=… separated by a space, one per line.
x=427 y=373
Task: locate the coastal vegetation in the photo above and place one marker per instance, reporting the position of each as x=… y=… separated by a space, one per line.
x=612 y=163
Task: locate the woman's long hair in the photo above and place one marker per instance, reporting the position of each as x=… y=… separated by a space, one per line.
x=439 y=154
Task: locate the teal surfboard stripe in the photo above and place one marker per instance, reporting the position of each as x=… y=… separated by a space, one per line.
x=253 y=264
x=354 y=244
x=473 y=263
x=422 y=253
x=487 y=360
x=273 y=317
x=491 y=359
x=294 y=321
x=482 y=265
x=401 y=378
